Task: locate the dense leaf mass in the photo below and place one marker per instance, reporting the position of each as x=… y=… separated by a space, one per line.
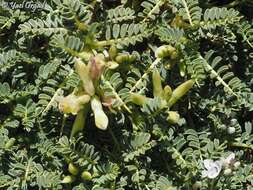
x=126 y=94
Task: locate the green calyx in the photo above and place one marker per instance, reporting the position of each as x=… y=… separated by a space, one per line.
x=180 y=91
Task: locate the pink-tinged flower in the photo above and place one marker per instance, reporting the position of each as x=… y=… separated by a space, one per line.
x=212 y=169
x=229 y=161
x=96 y=67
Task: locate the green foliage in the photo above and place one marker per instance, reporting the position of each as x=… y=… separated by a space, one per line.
x=127 y=49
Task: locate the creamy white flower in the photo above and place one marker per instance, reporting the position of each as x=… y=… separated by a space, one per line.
x=212 y=169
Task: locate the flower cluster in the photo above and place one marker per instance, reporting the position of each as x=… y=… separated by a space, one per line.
x=213 y=168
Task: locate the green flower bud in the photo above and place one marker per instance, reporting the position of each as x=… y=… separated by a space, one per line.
x=101 y=119
x=180 y=91
x=112 y=64
x=138 y=99
x=125 y=57
x=157 y=83
x=164 y=51
x=72 y=169
x=86 y=176
x=84 y=73
x=9 y=143
x=167 y=92
x=113 y=52
x=173 y=117
x=68 y=179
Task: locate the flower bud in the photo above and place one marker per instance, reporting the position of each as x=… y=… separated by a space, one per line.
x=68 y=179
x=72 y=169
x=125 y=57
x=112 y=52
x=112 y=64
x=138 y=99
x=231 y=130
x=164 y=51
x=157 y=84
x=9 y=143
x=237 y=164
x=173 y=117
x=96 y=67
x=180 y=91
x=227 y=171
x=167 y=91
x=84 y=73
x=86 y=176
x=101 y=119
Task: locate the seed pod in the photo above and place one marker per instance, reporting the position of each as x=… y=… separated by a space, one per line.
x=112 y=64
x=101 y=120
x=173 y=117
x=157 y=83
x=9 y=143
x=167 y=91
x=180 y=91
x=72 y=103
x=86 y=176
x=138 y=99
x=113 y=52
x=164 y=51
x=68 y=179
x=72 y=169
x=84 y=73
